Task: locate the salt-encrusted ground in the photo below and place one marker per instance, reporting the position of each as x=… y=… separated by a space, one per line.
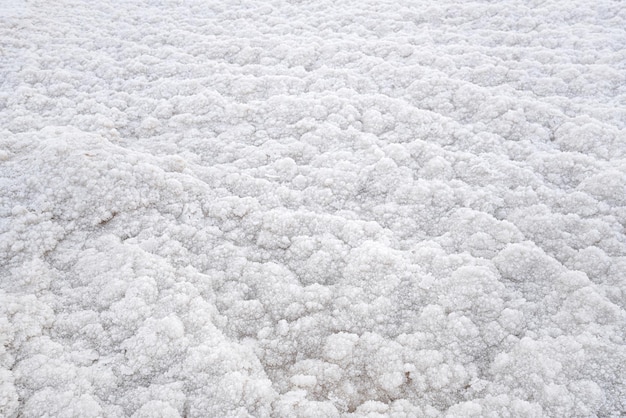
x=309 y=209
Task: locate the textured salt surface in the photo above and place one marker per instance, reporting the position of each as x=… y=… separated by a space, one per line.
x=359 y=208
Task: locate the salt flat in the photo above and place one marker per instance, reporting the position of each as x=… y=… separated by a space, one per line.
x=312 y=209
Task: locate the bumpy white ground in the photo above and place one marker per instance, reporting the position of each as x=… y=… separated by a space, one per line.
x=312 y=209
